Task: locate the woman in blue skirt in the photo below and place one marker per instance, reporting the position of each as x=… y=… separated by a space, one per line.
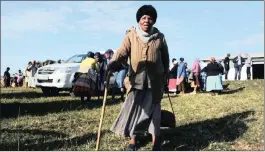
x=213 y=81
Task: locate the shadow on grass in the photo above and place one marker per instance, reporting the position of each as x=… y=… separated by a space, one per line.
x=225 y=86
x=28 y=95
x=233 y=91
x=12 y=110
x=192 y=137
x=43 y=140
x=197 y=136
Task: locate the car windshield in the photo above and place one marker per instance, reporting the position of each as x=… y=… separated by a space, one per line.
x=76 y=59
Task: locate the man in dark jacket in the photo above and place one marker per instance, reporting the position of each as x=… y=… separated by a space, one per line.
x=7 y=77
x=226 y=64
x=238 y=64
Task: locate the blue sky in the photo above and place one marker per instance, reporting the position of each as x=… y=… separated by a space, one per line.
x=58 y=30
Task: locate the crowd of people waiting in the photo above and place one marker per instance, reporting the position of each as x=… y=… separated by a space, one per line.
x=201 y=76
x=18 y=79
x=92 y=73
x=205 y=76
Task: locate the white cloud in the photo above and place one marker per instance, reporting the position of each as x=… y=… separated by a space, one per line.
x=15 y=24
x=252 y=40
x=115 y=17
x=93 y=17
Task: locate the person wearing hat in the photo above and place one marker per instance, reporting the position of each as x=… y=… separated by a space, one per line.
x=147 y=50
x=7 y=77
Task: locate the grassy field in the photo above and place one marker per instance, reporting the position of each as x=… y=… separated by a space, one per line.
x=231 y=121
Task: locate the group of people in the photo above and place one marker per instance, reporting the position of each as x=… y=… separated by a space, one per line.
x=141 y=67
x=18 y=79
x=238 y=61
x=15 y=81
x=204 y=77
x=90 y=78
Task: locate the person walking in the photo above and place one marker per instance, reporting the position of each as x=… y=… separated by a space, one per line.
x=147 y=50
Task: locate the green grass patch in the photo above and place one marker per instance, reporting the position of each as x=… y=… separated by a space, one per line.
x=231 y=121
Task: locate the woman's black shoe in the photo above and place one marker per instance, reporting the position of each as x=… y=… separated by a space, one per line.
x=156 y=148
x=131 y=147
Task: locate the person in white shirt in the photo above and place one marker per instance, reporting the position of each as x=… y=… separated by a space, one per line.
x=248 y=65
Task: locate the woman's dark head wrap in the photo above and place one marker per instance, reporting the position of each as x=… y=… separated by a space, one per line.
x=181 y=59
x=146 y=10
x=90 y=54
x=109 y=51
x=99 y=55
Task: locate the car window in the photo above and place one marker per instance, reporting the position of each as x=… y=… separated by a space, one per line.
x=76 y=59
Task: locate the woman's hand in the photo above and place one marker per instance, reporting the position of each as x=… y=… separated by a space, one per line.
x=113 y=66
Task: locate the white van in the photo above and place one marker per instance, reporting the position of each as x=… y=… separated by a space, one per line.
x=58 y=77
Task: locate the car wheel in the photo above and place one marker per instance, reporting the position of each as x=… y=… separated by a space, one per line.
x=46 y=91
x=54 y=91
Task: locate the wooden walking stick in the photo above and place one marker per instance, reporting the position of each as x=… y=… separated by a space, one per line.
x=170 y=100
x=103 y=110
x=170 y=103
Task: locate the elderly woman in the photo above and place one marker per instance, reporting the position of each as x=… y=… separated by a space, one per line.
x=147 y=50
x=213 y=81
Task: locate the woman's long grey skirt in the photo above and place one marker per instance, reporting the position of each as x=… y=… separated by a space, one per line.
x=138 y=113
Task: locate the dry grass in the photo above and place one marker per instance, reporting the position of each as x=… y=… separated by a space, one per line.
x=232 y=121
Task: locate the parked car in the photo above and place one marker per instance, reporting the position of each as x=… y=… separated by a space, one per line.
x=57 y=77
x=54 y=78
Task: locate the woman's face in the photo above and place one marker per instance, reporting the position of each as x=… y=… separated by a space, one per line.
x=212 y=59
x=107 y=56
x=97 y=58
x=146 y=22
